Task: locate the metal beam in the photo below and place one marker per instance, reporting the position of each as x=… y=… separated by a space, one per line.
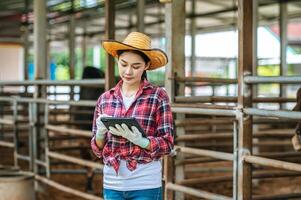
x=193 y=41
x=72 y=46
x=140 y=15
x=109 y=34
x=283 y=46
x=175 y=42
x=245 y=66
x=40 y=43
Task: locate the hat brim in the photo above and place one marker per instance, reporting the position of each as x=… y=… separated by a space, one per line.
x=157 y=57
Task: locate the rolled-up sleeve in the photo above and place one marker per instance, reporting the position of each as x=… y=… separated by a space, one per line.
x=97 y=151
x=163 y=141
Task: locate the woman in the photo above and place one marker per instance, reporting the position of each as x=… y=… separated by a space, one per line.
x=132 y=163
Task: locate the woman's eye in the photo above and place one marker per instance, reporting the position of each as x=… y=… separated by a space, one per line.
x=136 y=67
x=123 y=65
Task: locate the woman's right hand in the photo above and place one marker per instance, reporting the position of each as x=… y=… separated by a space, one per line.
x=101 y=129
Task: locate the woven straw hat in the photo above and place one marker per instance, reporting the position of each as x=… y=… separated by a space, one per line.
x=140 y=42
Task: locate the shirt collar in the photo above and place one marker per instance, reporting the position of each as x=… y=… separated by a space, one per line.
x=143 y=85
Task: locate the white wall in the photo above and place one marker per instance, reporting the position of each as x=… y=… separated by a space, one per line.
x=11 y=62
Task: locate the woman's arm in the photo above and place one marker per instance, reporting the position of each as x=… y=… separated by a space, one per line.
x=162 y=143
x=97 y=143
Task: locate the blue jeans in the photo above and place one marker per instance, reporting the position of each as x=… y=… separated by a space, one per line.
x=147 y=194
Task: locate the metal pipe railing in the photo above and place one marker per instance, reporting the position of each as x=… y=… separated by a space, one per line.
x=186 y=109
x=206 y=79
x=70 y=131
x=203 y=152
x=196 y=192
x=272 y=79
x=233 y=99
x=273 y=113
x=97 y=82
x=272 y=163
x=74 y=160
x=203 y=111
x=66 y=189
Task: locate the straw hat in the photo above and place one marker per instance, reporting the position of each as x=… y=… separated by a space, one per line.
x=140 y=42
x=298 y=105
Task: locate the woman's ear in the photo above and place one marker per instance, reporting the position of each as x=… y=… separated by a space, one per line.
x=147 y=66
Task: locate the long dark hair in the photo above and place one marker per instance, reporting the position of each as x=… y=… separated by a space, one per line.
x=142 y=55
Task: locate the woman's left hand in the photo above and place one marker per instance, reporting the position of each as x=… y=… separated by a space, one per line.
x=133 y=135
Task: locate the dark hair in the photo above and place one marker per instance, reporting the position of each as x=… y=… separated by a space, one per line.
x=142 y=55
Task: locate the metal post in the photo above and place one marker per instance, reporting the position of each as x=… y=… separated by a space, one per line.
x=26 y=42
x=46 y=140
x=110 y=34
x=235 y=160
x=40 y=33
x=193 y=32
x=33 y=123
x=30 y=137
x=283 y=47
x=84 y=47
x=72 y=42
x=140 y=15
x=16 y=135
x=175 y=35
x=72 y=49
x=255 y=37
x=245 y=66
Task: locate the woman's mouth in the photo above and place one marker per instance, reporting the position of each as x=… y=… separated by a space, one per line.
x=128 y=78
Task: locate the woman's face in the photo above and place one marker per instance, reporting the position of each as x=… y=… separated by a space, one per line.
x=131 y=67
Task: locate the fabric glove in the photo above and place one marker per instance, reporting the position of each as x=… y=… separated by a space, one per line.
x=101 y=129
x=133 y=135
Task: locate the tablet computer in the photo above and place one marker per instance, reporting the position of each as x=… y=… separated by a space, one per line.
x=129 y=121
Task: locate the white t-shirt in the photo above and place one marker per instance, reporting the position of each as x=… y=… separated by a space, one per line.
x=145 y=176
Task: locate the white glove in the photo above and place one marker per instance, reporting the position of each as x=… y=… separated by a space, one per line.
x=101 y=129
x=133 y=135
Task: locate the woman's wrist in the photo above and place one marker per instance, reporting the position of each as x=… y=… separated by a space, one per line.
x=144 y=143
x=99 y=143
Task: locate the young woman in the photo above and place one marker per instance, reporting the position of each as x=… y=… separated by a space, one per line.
x=132 y=162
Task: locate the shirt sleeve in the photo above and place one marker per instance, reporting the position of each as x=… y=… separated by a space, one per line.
x=163 y=141
x=97 y=151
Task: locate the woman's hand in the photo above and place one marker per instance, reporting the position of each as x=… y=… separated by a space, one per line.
x=133 y=135
x=101 y=129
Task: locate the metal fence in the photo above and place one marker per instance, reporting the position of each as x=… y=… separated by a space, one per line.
x=235 y=115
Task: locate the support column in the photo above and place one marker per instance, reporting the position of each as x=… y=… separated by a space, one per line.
x=245 y=67
x=255 y=62
x=283 y=46
x=109 y=34
x=40 y=33
x=40 y=63
x=175 y=41
x=140 y=15
x=26 y=43
x=72 y=45
x=193 y=32
x=84 y=47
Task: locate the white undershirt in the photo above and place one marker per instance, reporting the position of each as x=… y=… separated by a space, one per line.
x=145 y=176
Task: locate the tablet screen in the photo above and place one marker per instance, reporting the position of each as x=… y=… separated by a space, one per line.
x=129 y=121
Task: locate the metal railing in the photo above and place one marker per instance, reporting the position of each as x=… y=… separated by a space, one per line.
x=227 y=115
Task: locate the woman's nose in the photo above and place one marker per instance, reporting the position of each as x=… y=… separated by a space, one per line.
x=128 y=70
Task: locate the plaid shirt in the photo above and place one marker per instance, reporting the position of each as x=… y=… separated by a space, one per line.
x=152 y=110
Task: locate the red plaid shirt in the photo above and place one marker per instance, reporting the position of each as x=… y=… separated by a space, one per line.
x=152 y=110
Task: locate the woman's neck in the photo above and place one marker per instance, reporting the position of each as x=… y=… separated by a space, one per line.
x=130 y=90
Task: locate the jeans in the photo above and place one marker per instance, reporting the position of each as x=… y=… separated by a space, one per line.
x=147 y=194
